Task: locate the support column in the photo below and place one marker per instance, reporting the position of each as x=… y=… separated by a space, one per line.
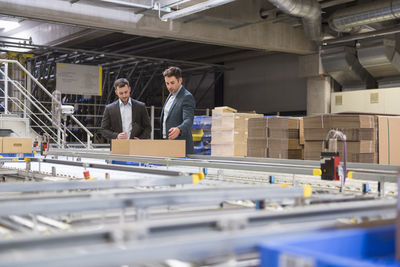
x=318 y=85
x=318 y=95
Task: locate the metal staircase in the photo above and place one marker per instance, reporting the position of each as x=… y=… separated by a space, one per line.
x=28 y=108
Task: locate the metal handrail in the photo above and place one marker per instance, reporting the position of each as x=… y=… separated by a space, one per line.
x=30 y=117
x=20 y=88
x=89 y=134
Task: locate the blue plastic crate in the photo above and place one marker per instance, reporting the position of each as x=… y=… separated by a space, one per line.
x=202 y=122
x=340 y=248
x=130 y=163
x=19 y=155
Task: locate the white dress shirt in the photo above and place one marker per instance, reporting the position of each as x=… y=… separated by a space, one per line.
x=126 y=116
x=167 y=109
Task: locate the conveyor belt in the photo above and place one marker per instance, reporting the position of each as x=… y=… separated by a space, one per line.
x=158 y=241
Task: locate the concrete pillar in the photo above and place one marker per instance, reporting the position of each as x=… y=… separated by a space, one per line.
x=318 y=95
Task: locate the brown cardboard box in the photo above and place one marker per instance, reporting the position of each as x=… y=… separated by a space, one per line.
x=283 y=144
x=339 y=121
x=365 y=146
x=296 y=153
x=1 y=144
x=257 y=142
x=284 y=123
x=229 y=149
x=153 y=148
x=232 y=120
x=17 y=145
x=301 y=132
x=256 y=151
x=261 y=122
x=277 y=154
x=283 y=133
x=389 y=141
x=224 y=109
x=257 y=132
x=313 y=134
x=286 y=154
x=224 y=136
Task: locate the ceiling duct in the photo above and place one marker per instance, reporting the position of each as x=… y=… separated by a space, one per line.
x=308 y=10
x=341 y=64
x=346 y=20
x=379 y=56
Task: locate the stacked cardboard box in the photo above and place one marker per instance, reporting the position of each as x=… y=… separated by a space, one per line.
x=151 y=148
x=360 y=131
x=257 y=141
x=229 y=133
x=275 y=137
x=16 y=145
x=389 y=142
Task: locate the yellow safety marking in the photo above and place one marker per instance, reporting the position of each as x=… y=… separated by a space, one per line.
x=27 y=55
x=100 y=80
x=350 y=175
x=14 y=159
x=307 y=191
x=201 y=175
x=196 y=178
x=317 y=172
x=284 y=185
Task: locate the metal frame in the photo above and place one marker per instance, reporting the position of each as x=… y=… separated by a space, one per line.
x=379 y=173
x=152 y=242
x=80 y=203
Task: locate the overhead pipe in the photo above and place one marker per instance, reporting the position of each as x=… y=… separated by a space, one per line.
x=308 y=10
x=346 y=20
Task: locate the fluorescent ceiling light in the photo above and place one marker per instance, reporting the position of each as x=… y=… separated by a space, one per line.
x=195 y=8
x=16 y=49
x=8 y=25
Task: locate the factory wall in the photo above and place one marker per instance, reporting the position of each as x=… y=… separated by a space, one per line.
x=266 y=84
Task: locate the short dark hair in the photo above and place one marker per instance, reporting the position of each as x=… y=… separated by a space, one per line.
x=121 y=82
x=173 y=71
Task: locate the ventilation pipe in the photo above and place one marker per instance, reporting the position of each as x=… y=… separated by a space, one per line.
x=346 y=20
x=308 y=10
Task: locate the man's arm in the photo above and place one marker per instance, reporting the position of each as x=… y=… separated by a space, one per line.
x=106 y=126
x=145 y=124
x=188 y=106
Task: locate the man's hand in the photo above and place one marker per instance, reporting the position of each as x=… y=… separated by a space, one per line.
x=122 y=136
x=173 y=133
x=136 y=138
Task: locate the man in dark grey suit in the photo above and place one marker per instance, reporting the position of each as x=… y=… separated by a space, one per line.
x=125 y=118
x=178 y=111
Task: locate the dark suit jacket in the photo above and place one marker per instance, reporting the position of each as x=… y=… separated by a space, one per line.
x=111 y=124
x=181 y=115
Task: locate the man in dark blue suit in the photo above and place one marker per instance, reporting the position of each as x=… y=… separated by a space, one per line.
x=178 y=111
x=125 y=118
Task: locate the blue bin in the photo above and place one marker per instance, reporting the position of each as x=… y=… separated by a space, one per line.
x=339 y=248
x=20 y=156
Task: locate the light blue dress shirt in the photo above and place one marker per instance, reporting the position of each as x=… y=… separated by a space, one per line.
x=126 y=116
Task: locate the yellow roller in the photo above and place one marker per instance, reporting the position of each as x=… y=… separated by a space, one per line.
x=307 y=191
x=197 y=177
x=317 y=172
